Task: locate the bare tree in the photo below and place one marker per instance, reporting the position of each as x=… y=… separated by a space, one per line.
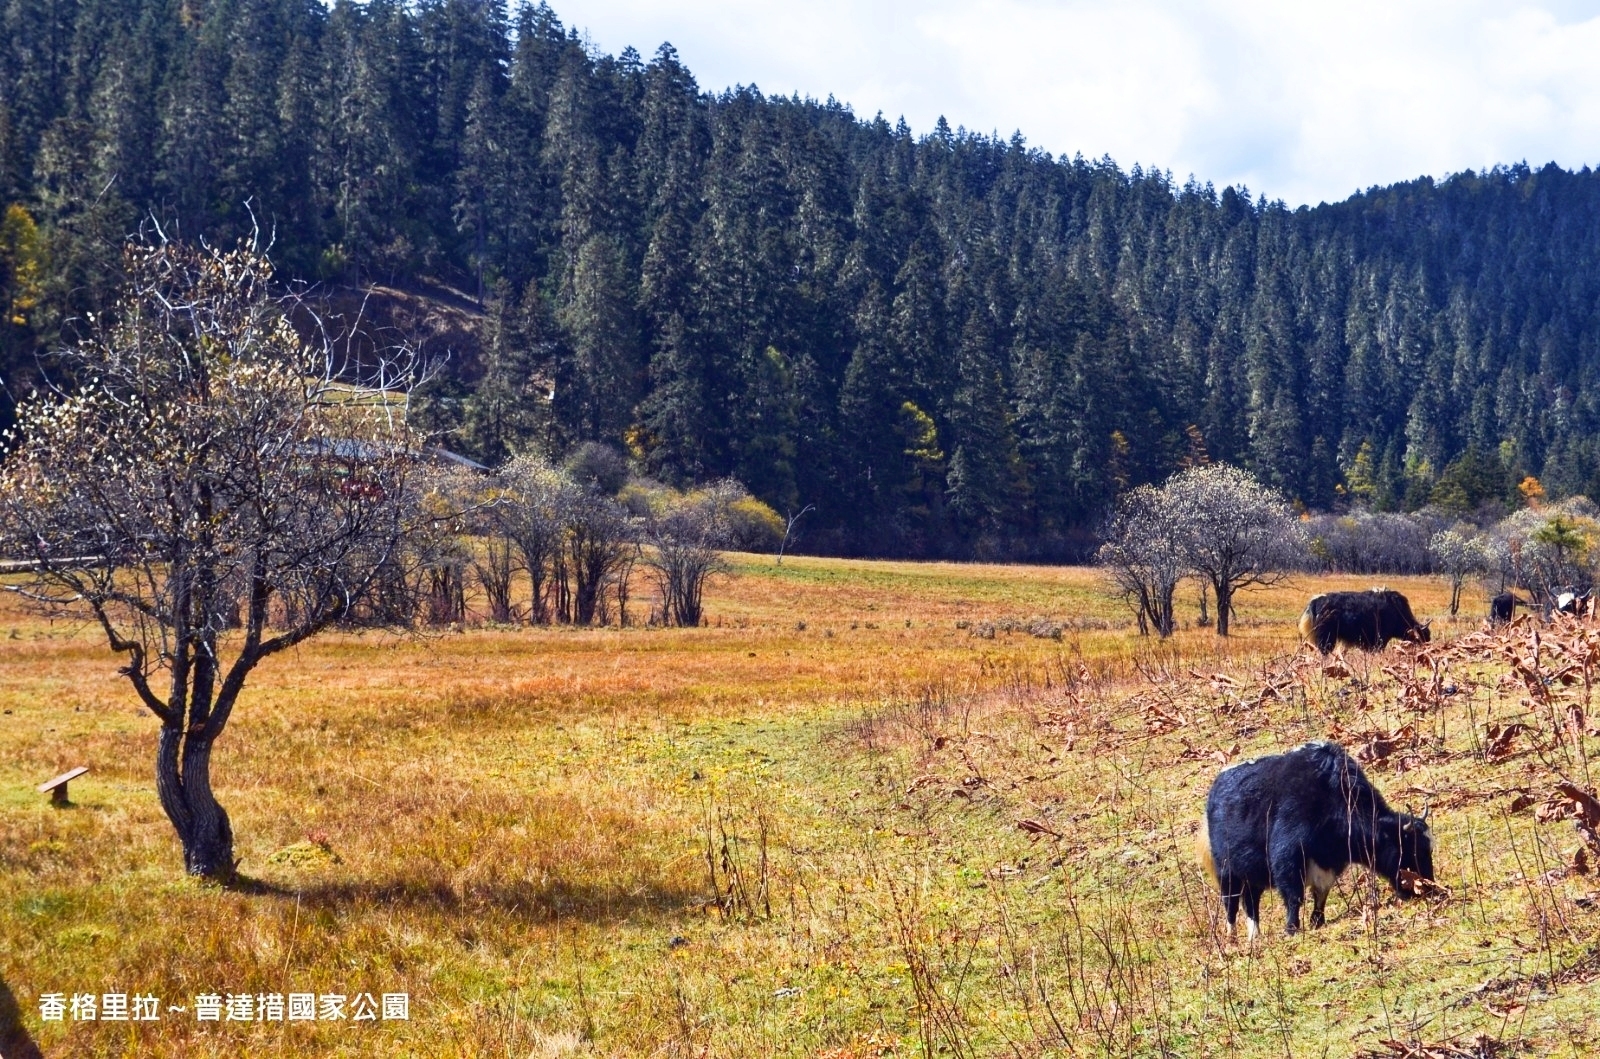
x=437 y=551
x=472 y=540
x=213 y=463
x=534 y=498
x=687 y=535
x=598 y=541
x=620 y=583
x=1143 y=556
x=495 y=570
x=1233 y=531
x=789 y=523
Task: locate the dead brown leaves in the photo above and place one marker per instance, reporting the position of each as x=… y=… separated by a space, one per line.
x=1563 y=656
x=1038 y=829
x=1572 y=802
x=1374 y=746
x=1418 y=886
x=1202 y=753
x=1480 y=1047
x=1500 y=739
x=1337 y=669
x=1161 y=720
x=1238 y=694
x=1582 y=805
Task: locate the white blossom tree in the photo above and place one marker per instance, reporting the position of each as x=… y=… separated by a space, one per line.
x=1233 y=531
x=1143 y=556
x=1458 y=557
x=213 y=492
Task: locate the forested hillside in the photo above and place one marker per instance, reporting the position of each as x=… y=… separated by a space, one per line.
x=951 y=344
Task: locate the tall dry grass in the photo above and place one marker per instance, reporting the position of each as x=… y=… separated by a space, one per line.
x=872 y=809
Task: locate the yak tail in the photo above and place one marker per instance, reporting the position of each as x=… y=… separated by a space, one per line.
x=1202 y=843
x=1307 y=622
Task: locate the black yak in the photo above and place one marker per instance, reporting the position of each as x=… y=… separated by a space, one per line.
x=1368 y=620
x=1303 y=817
x=1503 y=606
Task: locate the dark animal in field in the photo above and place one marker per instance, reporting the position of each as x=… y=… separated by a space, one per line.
x=1303 y=817
x=1503 y=606
x=1368 y=620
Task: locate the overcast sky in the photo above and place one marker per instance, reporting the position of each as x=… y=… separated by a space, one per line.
x=1301 y=100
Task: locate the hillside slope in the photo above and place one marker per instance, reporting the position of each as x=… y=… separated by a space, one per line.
x=951 y=344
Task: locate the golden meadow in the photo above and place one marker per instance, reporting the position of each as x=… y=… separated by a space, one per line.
x=872 y=809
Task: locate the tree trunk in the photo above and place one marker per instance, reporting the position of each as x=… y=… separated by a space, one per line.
x=584 y=599
x=1165 y=621
x=623 y=592
x=185 y=790
x=1224 y=607
x=539 y=589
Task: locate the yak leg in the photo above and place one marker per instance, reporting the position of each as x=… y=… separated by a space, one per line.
x=1288 y=876
x=1252 y=912
x=1322 y=881
x=1243 y=893
x=1230 y=904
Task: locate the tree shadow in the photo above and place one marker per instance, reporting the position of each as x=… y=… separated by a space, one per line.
x=556 y=900
x=15 y=1042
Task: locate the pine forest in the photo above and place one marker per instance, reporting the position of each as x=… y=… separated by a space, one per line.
x=948 y=343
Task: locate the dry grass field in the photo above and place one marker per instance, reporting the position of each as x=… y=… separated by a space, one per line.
x=867 y=812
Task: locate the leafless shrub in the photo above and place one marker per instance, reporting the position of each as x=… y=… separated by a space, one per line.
x=495 y=571
x=1364 y=542
x=528 y=510
x=686 y=535
x=738 y=868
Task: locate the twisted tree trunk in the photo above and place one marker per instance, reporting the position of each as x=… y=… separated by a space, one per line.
x=183 y=781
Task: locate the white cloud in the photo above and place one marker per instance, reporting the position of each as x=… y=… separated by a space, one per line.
x=1301 y=101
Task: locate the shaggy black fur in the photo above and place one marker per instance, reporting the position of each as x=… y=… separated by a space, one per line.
x=1275 y=821
x=1368 y=620
x=1503 y=606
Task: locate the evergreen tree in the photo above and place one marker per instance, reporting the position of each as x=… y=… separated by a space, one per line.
x=938 y=339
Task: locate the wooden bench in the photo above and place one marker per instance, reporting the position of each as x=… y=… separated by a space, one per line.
x=57 y=787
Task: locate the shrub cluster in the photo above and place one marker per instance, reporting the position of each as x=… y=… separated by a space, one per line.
x=542 y=542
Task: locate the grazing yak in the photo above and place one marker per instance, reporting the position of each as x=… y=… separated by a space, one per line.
x=1303 y=817
x=1368 y=620
x=1503 y=606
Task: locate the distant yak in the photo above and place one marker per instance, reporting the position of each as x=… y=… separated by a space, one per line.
x=1368 y=620
x=1303 y=817
x=1503 y=606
